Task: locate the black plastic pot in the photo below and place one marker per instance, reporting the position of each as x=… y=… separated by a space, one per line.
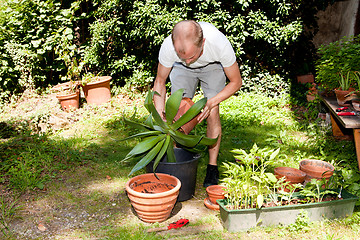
x=185 y=169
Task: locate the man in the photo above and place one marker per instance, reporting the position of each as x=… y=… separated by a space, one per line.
x=193 y=53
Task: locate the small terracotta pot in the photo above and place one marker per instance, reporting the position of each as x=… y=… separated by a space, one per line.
x=153 y=199
x=97 y=92
x=215 y=192
x=69 y=101
x=291 y=175
x=340 y=96
x=307 y=78
x=316 y=169
x=185 y=105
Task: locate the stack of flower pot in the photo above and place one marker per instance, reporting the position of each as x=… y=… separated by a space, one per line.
x=308 y=169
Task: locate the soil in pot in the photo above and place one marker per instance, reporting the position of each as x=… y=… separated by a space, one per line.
x=153 y=198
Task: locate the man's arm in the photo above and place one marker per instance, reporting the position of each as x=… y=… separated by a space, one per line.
x=233 y=74
x=159 y=86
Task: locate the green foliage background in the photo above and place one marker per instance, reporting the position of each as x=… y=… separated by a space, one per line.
x=41 y=39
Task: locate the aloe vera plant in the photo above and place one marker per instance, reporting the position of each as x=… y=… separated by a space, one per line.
x=159 y=136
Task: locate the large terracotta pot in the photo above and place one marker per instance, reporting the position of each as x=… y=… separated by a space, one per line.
x=153 y=199
x=97 y=92
x=316 y=169
x=185 y=104
x=340 y=97
x=69 y=101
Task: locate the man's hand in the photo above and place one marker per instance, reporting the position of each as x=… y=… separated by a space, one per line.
x=207 y=110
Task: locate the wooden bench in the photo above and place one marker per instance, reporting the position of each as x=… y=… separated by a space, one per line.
x=341 y=124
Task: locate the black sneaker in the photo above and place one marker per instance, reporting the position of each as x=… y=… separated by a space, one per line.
x=212 y=175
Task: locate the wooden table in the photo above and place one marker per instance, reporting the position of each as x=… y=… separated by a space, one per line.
x=340 y=124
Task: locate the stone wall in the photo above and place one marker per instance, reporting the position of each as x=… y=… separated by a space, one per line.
x=337 y=21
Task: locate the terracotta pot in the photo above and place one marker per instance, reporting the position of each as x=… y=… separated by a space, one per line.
x=307 y=78
x=69 y=101
x=97 y=92
x=185 y=104
x=340 y=97
x=152 y=198
x=291 y=175
x=316 y=169
x=215 y=192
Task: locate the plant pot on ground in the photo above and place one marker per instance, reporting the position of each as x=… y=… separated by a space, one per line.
x=97 y=90
x=153 y=198
x=214 y=193
x=68 y=95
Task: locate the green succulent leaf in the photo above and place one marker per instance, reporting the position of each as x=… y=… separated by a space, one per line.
x=145 y=145
x=149 y=121
x=208 y=141
x=190 y=114
x=148 y=157
x=172 y=105
x=143 y=134
x=197 y=149
x=162 y=152
x=170 y=154
x=137 y=125
x=185 y=140
x=149 y=104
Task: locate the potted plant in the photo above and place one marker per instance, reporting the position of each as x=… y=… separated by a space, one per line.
x=345 y=82
x=255 y=197
x=334 y=58
x=152 y=197
x=159 y=137
x=96 y=89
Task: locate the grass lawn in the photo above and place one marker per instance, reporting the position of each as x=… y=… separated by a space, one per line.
x=61 y=175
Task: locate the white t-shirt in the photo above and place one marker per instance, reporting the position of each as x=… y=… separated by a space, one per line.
x=217 y=48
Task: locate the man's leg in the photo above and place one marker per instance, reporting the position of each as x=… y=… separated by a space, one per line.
x=213 y=131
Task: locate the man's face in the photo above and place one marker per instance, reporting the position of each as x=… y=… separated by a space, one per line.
x=191 y=53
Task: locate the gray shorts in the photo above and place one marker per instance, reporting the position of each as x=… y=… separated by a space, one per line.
x=212 y=79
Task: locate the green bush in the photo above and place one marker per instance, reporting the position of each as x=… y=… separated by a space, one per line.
x=39 y=40
x=336 y=58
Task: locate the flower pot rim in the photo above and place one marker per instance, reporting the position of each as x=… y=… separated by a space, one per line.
x=152 y=195
x=282 y=170
x=302 y=165
x=101 y=80
x=214 y=189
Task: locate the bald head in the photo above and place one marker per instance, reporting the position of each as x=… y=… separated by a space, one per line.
x=187 y=31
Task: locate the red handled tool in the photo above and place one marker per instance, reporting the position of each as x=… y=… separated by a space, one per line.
x=348 y=113
x=178 y=224
x=341 y=109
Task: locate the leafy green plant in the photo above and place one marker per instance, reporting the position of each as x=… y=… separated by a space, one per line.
x=159 y=136
x=301 y=222
x=247 y=181
x=337 y=57
x=313 y=190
